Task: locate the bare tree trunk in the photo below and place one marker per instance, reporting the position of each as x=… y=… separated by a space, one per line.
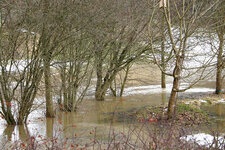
x=124 y=80
x=113 y=90
x=4 y=98
x=176 y=76
x=64 y=93
x=9 y=117
x=45 y=40
x=102 y=89
x=172 y=99
x=219 y=65
x=98 y=92
x=163 y=75
x=48 y=89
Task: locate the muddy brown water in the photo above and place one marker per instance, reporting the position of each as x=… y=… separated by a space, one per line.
x=101 y=115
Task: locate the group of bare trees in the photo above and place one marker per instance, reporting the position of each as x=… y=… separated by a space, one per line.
x=75 y=41
x=70 y=40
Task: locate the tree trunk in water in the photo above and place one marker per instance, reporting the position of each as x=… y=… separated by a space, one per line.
x=48 y=90
x=102 y=89
x=9 y=132
x=98 y=91
x=23 y=133
x=20 y=120
x=219 y=66
x=113 y=90
x=124 y=80
x=6 y=111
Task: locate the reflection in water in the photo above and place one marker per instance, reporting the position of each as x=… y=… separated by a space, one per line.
x=49 y=127
x=15 y=133
x=219 y=109
x=105 y=110
x=68 y=122
x=220 y=124
x=163 y=94
x=99 y=114
x=8 y=132
x=23 y=133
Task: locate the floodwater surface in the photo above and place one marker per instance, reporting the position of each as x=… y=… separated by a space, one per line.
x=99 y=116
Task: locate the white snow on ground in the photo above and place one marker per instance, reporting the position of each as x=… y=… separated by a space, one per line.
x=220 y=101
x=145 y=89
x=204 y=139
x=149 y=89
x=152 y=89
x=197 y=90
x=203 y=101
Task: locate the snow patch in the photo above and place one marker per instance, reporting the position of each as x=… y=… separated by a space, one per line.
x=152 y=89
x=220 y=101
x=204 y=139
x=203 y=101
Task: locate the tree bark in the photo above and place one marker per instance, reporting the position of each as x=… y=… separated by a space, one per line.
x=98 y=92
x=64 y=93
x=176 y=76
x=102 y=89
x=124 y=80
x=163 y=75
x=219 y=65
x=172 y=99
x=6 y=111
x=48 y=89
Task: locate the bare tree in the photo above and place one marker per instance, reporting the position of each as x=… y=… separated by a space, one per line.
x=118 y=85
x=20 y=65
x=76 y=71
x=51 y=22
x=220 y=31
x=117 y=35
x=182 y=22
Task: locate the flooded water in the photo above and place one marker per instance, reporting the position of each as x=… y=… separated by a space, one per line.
x=101 y=115
x=217 y=112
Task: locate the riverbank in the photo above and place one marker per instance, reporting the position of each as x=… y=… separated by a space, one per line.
x=204 y=99
x=188 y=111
